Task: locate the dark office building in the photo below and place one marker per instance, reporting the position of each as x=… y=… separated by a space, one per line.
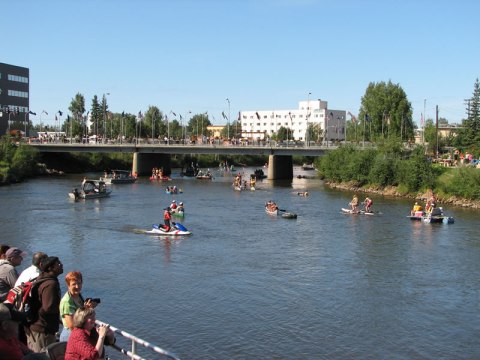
x=14 y=97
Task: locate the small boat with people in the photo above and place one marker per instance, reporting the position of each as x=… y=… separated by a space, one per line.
x=118 y=177
x=259 y=174
x=308 y=167
x=173 y=190
x=201 y=175
x=271 y=208
x=90 y=189
x=435 y=215
x=176 y=230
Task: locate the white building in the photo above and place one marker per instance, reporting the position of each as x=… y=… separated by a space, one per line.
x=262 y=124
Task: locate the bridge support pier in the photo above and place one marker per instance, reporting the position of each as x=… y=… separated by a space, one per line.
x=144 y=163
x=280 y=167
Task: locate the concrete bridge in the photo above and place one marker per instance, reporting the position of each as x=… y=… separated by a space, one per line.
x=147 y=156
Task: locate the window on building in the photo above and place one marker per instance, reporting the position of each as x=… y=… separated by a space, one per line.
x=16 y=93
x=17 y=78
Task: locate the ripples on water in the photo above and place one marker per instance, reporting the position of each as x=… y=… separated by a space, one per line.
x=247 y=285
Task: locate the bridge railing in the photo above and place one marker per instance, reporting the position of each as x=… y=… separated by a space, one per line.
x=133 y=342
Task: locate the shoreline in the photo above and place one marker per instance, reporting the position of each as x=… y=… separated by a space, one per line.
x=391 y=191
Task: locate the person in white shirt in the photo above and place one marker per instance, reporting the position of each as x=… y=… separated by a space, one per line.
x=33 y=271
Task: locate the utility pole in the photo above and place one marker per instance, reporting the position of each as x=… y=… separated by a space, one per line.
x=436 y=130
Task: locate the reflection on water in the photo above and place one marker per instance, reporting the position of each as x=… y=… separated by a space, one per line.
x=247 y=285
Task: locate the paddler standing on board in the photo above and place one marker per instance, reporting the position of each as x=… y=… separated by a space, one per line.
x=354 y=203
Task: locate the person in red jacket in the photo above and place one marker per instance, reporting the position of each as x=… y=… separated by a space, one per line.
x=167 y=216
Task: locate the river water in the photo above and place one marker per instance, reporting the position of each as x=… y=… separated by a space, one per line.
x=247 y=285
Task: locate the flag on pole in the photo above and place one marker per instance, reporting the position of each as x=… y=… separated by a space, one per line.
x=224 y=116
x=353 y=118
x=56 y=119
x=239 y=116
x=174 y=114
x=258 y=115
x=421 y=119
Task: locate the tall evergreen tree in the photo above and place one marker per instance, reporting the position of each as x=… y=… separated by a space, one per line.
x=472 y=124
x=96 y=115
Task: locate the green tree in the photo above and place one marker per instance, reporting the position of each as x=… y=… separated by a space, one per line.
x=77 y=106
x=96 y=115
x=197 y=126
x=388 y=112
x=102 y=122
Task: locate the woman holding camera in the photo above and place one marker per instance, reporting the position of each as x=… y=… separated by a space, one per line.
x=71 y=301
x=86 y=342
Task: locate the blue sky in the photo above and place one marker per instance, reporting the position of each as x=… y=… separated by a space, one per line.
x=191 y=55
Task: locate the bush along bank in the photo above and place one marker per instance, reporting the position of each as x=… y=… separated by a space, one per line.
x=389 y=170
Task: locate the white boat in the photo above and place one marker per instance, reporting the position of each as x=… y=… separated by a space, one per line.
x=271 y=208
x=91 y=189
x=119 y=177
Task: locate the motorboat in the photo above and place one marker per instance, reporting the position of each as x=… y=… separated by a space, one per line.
x=90 y=189
x=118 y=177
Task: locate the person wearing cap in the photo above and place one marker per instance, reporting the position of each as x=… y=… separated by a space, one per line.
x=32 y=272
x=46 y=298
x=11 y=347
x=167 y=216
x=8 y=273
x=173 y=205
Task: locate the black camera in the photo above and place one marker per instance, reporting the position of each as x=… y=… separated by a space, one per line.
x=97 y=300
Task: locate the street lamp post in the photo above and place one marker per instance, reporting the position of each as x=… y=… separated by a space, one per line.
x=104 y=116
x=26 y=114
x=307 y=139
x=41 y=123
x=228 y=124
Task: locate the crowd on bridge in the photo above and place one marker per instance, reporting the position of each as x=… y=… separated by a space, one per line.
x=33 y=331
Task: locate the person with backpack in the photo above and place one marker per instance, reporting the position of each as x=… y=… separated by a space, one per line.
x=45 y=305
x=8 y=273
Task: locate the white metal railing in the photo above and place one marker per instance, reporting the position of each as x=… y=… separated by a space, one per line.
x=134 y=342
